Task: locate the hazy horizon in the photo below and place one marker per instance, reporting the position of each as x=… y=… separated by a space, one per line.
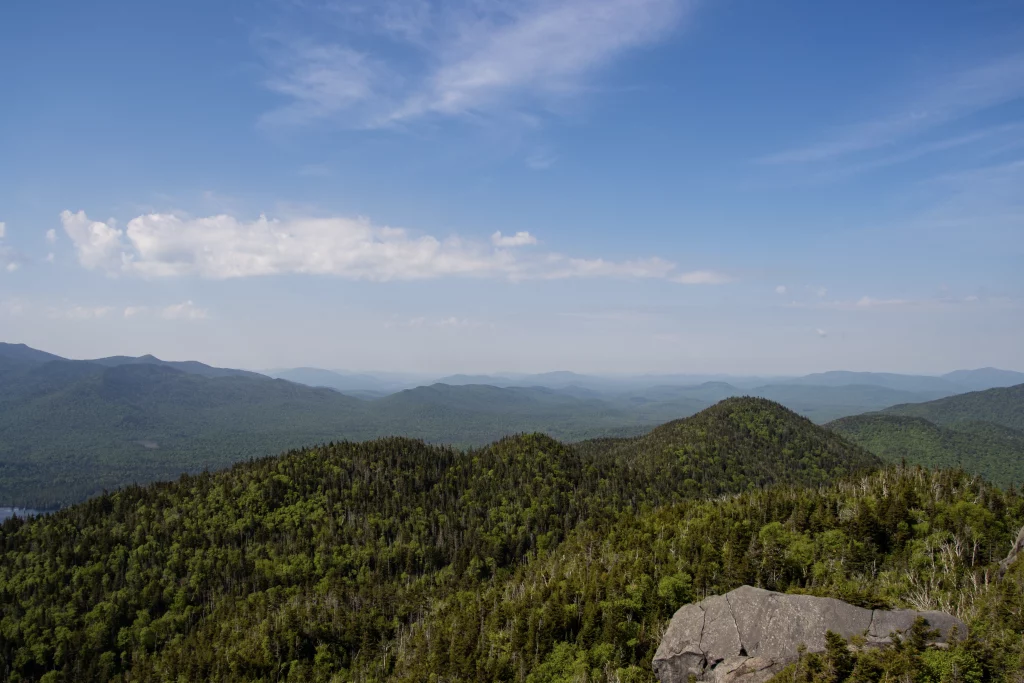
x=399 y=372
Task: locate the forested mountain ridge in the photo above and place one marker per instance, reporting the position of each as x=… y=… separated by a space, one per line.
x=527 y=560
x=22 y=352
x=1003 y=406
x=982 y=431
x=70 y=429
x=737 y=443
x=991 y=450
x=371 y=537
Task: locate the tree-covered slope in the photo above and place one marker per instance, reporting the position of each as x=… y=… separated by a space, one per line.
x=325 y=561
x=1003 y=406
x=738 y=442
x=595 y=607
x=69 y=429
x=993 y=451
x=22 y=352
x=187 y=366
x=985 y=378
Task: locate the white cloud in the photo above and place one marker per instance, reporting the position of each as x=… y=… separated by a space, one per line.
x=423 y=321
x=955 y=96
x=80 y=312
x=50 y=257
x=99 y=245
x=221 y=247
x=132 y=311
x=321 y=80
x=51 y=236
x=866 y=303
x=820 y=332
x=454 y=322
x=781 y=289
x=8 y=258
x=559 y=267
x=520 y=239
x=184 y=311
x=473 y=57
x=701 y=277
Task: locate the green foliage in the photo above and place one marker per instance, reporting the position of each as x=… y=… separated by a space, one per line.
x=991 y=450
x=72 y=429
x=527 y=560
x=915 y=660
x=335 y=555
x=1003 y=406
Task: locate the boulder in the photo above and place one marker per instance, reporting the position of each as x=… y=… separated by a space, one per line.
x=1015 y=551
x=749 y=634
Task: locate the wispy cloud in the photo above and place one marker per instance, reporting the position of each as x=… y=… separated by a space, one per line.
x=868 y=303
x=702 y=277
x=184 y=311
x=320 y=80
x=520 y=239
x=448 y=322
x=76 y=312
x=953 y=97
x=541 y=160
x=983 y=203
x=222 y=247
x=132 y=311
x=472 y=57
x=9 y=260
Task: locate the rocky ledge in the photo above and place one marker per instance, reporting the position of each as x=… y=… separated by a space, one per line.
x=749 y=634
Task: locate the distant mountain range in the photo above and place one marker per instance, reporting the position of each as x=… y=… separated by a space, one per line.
x=951 y=383
x=71 y=428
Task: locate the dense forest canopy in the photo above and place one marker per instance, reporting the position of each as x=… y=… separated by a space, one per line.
x=991 y=450
x=979 y=431
x=1002 y=406
x=527 y=560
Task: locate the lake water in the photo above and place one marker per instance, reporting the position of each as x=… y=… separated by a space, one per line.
x=6 y=513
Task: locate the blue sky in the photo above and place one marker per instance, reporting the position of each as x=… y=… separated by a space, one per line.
x=484 y=185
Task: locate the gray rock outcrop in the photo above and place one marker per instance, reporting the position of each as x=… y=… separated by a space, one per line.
x=1015 y=551
x=749 y=634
